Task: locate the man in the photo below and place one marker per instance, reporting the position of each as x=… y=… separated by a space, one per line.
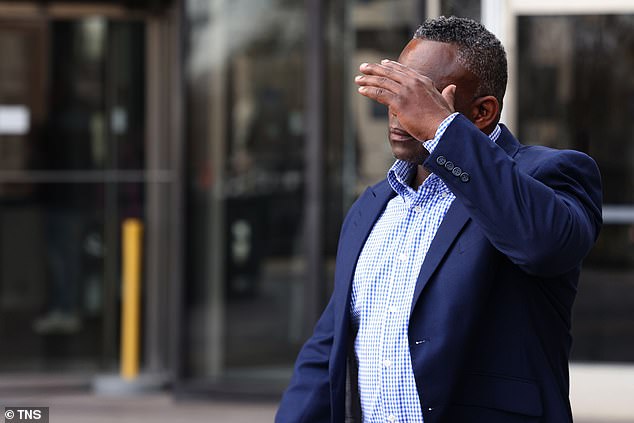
x=456 y=275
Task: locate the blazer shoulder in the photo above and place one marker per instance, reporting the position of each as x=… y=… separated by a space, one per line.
x=538 y=157
x=567 y=171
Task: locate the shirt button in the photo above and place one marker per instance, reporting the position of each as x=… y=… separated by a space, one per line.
x=387 y=363
x=393 y=309
x=418 y=209
x=391 y=418
x=402 y=257
x=444 y=194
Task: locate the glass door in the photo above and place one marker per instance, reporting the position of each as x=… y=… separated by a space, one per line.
x=72 y=148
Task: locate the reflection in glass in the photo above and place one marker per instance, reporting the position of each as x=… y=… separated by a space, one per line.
x=245 y=102
x=381 y=31
x=576 y=91
x=463 y=8
x=52 y=278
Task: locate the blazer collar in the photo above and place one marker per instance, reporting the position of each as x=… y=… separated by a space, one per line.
x=370 y=207
x=451 y=226
x=365 y=213
x=508 y=142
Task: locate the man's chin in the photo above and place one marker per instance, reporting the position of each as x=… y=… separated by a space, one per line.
x=407 y=155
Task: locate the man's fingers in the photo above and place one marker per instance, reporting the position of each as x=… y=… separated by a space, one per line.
x=406 y=71
x=381 y=95
x=382 y=70
x=449 y=94
x=401 y=68
x=377 y=81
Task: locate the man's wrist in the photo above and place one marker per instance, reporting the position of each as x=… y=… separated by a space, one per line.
x=431 y=144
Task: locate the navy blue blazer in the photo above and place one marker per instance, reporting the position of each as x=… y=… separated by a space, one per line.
x=489 y=328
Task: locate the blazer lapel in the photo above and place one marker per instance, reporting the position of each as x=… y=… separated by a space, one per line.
x=368 y=209
x=449 y=229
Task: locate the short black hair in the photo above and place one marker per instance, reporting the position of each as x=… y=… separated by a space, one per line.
x=479 y=51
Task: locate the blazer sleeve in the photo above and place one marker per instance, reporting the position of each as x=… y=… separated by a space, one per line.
x=307 y=398
x=544 y=215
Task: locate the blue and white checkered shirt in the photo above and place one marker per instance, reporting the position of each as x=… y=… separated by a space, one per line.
x=383 y=288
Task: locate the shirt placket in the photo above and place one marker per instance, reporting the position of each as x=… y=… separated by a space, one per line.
x=389 y=360
x=400 y=300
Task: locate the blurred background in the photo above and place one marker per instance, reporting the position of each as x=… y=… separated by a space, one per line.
x=232 y=130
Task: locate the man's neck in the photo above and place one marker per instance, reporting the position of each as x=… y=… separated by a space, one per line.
x=421 y=174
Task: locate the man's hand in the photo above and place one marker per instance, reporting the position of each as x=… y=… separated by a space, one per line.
x=412 y=97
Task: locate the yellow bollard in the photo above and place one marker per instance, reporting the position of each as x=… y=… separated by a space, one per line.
x=131 y=297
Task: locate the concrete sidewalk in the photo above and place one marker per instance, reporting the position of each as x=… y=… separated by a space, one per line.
x=602 y=393
x=599 y=394
x=161 y=408
x=156 y=408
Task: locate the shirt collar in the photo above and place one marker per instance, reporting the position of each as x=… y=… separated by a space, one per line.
x=495 y=134
x=399 y=176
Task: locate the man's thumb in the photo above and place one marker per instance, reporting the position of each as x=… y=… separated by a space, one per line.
x=449 y=94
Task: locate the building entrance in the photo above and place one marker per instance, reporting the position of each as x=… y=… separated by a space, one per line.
x=72 y=168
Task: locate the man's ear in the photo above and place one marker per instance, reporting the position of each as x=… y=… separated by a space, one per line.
x=485 y=112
